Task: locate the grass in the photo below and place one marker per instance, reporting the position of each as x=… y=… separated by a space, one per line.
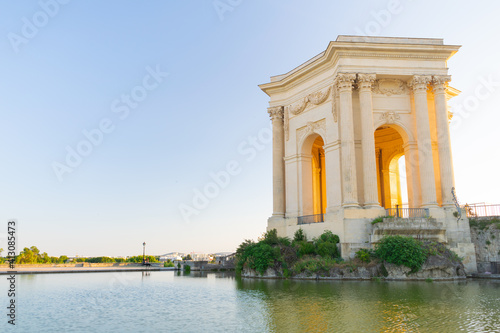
x=380 y=219
x=484 y=223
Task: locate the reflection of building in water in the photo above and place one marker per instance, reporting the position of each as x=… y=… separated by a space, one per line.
x=341 y=123
x=365 y=306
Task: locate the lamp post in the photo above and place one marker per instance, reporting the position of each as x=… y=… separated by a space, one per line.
x=143 y=252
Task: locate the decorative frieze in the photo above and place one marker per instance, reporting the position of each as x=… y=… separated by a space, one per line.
x=298 y=106
x=389 y=87
x=315 y=98
x=319 y=96
x=389 y=117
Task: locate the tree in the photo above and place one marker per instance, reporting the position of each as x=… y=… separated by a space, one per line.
x=26 y=257
x=62 y=259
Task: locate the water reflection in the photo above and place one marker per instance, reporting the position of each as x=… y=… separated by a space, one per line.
x=220 y=302
x=362 y=306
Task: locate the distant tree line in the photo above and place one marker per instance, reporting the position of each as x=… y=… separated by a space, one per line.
x=32 y=255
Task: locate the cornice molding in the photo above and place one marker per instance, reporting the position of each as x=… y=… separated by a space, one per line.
x=336 y=50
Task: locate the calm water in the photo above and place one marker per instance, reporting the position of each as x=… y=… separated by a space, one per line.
x=218 y=302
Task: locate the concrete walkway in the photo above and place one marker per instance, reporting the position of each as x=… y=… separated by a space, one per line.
x=52 y=270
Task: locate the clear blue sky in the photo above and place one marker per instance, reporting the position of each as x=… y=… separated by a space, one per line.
x=71 y=72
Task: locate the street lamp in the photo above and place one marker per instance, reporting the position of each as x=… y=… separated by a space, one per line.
x=143 y=252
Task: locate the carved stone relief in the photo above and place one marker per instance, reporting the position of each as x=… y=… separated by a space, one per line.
x=318 y=127
x=315 y=98
x=389 y=117
x=389 y=87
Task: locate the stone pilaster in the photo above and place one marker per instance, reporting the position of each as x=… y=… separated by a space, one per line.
x=444 y=145
x=419 y=85
x=276 y=114
x=345 y=82
x=365 y=82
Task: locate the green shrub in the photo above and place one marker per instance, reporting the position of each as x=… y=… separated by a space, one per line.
x=488 y=242
x=271 y=237
x=284 y=241
x=379 y=219
x=299 y=236
x=261 y=257
x=329 y=237
x=315 y=265
x=187 y=269
x=364 y=255
x=257 y=256
x=246 y=243
x=326 y=245
x=168 y=264
x=327 y=250
x=400 y=250
x=305 y=248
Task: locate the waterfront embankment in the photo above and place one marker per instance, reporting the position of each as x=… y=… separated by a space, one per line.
x=79 y=268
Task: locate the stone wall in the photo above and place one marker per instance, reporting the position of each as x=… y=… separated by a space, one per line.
x=435 y=268
x=485 y=234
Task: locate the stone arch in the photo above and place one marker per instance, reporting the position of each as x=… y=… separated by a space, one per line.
x=390 y=142
x=312 y=128
x=312 y=175
x=401 y=128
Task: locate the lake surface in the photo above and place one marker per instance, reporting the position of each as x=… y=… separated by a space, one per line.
x=219 y=302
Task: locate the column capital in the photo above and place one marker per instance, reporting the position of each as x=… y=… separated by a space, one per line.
x=275 y=112
x=419 y=83
x=345 y=81
x=440 y=82
x=365 y=81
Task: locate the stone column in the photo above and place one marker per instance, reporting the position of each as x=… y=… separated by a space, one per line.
x=349 y=181
x=444 y=145
x=333 y=187
x=365 y=82
x=412 y=176
x=419 y=85
x=276 y=114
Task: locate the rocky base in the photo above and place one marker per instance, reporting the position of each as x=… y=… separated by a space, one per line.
x=435 y=268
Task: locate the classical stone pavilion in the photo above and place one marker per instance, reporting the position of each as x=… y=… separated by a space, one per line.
x=342 y=121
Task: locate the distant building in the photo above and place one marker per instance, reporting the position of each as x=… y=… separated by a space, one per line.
x=172 y=256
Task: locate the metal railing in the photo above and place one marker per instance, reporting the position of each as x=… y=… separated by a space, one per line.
x=407 y=212
x=478 y=210
x=307 y=219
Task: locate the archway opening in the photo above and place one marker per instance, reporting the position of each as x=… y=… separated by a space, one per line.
x=391 y=169
x=318 y=176
x=312 y=169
